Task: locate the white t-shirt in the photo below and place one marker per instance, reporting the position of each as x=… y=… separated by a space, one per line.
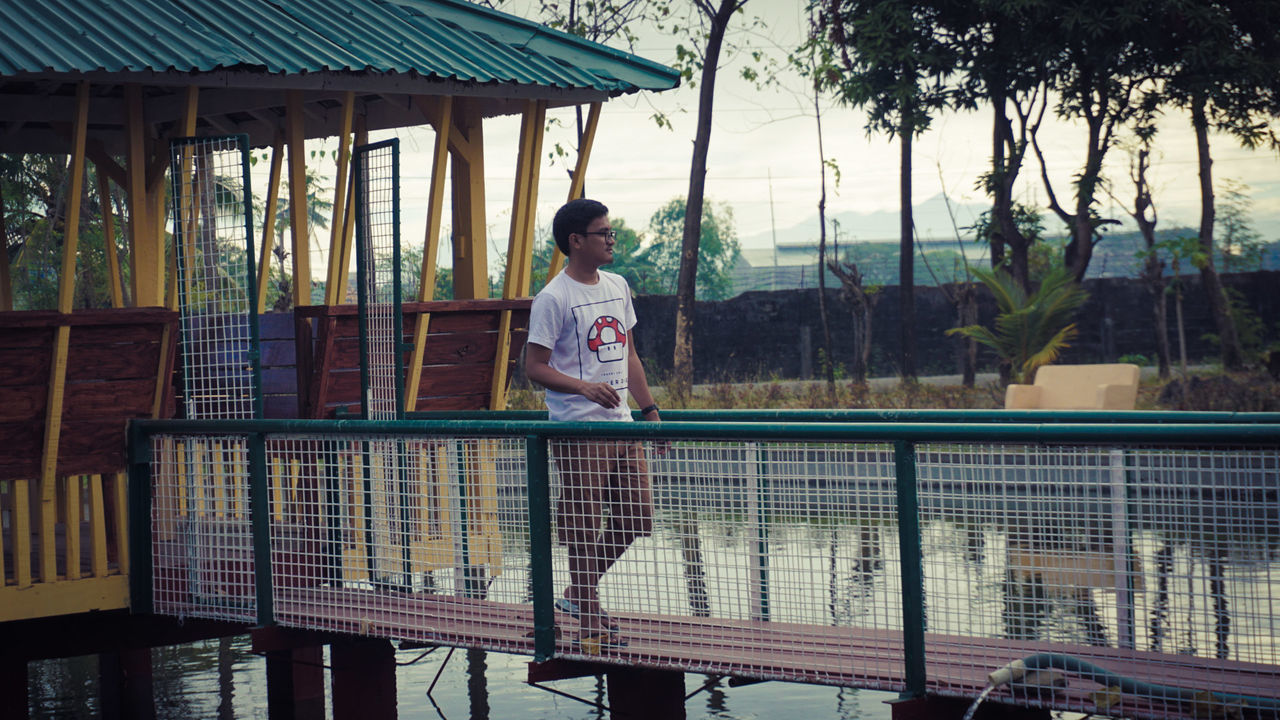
x=588 y=329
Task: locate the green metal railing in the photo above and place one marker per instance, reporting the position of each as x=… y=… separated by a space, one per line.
x=902 y=430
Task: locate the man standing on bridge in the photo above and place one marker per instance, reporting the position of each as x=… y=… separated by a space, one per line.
x=581 y=349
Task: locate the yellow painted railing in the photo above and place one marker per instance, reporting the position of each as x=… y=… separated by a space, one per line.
x=88 y=548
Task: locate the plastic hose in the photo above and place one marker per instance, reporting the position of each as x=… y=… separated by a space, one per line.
x=1083 y=668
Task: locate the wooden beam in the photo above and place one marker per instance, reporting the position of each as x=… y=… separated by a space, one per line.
x=577 y=182
x=61 y=346
x=333 y=289
x=470 y=251
x=97 y=527
x=531 y=202
x=349 y=217
x=296 y=136
x=146 y=256
x=442 y=122
x=104 y=163
x=520 y=244
x=269 y=220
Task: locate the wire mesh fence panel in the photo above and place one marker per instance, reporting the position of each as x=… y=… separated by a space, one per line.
x=1148 y=569
x=202 y=542
x=405 y=537
x=763 y=559
x=377 y=203
x=214 y=248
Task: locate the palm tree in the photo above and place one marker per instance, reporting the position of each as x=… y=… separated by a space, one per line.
x=1031 y=329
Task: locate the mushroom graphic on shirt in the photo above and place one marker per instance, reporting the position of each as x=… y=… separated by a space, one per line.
x=607 y=339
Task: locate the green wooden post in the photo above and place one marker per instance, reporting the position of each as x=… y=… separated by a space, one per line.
x=544 y=621
x=140 y=557
x=913 y=615
x=260 y=505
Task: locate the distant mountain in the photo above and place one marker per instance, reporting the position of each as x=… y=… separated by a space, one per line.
x=931 y=218
x=933 y=222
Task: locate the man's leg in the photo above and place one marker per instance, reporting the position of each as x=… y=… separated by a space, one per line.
x=583 y=466
x=630 y=502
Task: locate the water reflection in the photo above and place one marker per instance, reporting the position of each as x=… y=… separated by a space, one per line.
x=224 y=679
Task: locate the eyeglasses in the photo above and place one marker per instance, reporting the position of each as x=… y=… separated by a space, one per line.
x=611 y=234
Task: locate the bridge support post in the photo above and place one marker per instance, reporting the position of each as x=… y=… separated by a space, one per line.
x=364 y=679
x=645 y=693
x=295 y=684
x=13 y=686
x=125 y=680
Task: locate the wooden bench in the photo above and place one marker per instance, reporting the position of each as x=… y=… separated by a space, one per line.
x=457 y=365
x=1110 y=386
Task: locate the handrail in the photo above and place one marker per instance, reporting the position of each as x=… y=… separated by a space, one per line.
x=896 y=415
x=1035 y=432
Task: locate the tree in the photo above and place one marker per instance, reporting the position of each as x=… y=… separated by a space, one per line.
x=1144 y=214
x=1105 y=63
x=34 y=188
x=1224 y=68
x=1030 y=330
x=280 y=287
x=885 y=56
x=717 y=249
x=1004 y=48
x=715 y=17
x=862 y=298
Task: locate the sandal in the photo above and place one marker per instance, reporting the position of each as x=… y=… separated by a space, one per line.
x=593 y=643
x=565 y=605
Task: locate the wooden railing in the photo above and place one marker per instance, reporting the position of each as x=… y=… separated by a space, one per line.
x=64 y=408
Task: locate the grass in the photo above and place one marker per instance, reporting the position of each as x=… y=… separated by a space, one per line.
x=1250 y=391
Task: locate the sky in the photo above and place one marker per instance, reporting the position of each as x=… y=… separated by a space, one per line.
x=764 y=157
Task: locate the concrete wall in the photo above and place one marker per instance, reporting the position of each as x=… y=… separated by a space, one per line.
x=759 y=335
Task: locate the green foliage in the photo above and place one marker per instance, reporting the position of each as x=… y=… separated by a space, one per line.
x=885 y=57
x=1250 y=327
x=35 y=204
x=1239 y=244
x=1030 y=330
x=717 y=249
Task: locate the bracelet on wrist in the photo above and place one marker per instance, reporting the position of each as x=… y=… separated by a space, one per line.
x=648 y=409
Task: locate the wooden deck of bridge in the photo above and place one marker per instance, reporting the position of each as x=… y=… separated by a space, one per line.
x=854 y=657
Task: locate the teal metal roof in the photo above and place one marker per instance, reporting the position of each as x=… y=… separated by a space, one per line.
x=442 y=39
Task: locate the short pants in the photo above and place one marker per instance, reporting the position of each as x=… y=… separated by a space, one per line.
x=602 y=474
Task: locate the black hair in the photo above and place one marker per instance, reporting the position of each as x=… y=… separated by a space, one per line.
x=574 y=217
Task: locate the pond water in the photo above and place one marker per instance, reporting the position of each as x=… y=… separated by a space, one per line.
x=222 y=679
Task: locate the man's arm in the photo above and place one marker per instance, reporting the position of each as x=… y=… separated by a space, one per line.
x=638 y=384
x=537 y=366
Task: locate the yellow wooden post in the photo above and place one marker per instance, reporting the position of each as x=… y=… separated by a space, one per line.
x=6 y=281
x=349 y=219
x=21 y=524
x=442 y=119
x=299 y=231
x=97 y=527
x=145 y=253
x=71 y=526
x=61 y=345
x=520 y=244
x=333 y=288
x=120 y=491
x=109 y=241
x=579 y=176
x=470 y=254
x=269 y=220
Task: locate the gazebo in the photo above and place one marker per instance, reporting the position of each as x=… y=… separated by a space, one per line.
x=111 y=84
